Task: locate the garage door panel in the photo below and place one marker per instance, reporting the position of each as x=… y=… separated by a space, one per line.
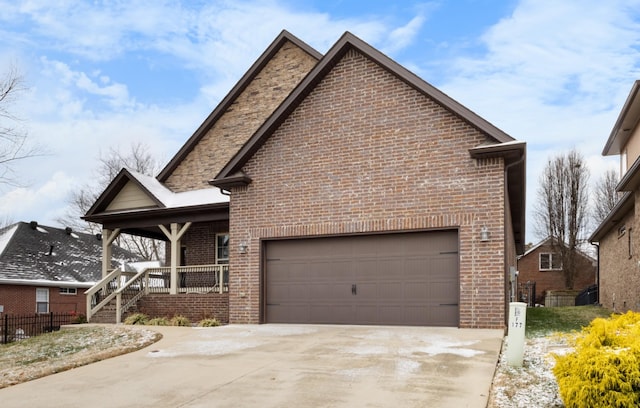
x=399 y=279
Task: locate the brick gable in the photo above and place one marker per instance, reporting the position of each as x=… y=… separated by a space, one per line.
x=252 y=107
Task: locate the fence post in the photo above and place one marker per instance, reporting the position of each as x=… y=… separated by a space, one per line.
x=5 y=333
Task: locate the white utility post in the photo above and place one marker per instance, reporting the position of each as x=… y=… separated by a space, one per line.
x=515 y=339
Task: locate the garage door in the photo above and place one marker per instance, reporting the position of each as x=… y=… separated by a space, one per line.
x=396 y=279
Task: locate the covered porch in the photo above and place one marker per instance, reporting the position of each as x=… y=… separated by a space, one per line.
x=194 y=226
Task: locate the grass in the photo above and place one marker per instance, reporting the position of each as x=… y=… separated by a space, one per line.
x=50 y=353
x=542 y=321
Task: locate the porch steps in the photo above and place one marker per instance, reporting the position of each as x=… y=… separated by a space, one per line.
x=108 y=313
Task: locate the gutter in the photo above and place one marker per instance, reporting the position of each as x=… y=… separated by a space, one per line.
x=58 y=284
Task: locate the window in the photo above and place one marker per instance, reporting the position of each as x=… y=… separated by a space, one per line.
x=68 y=291
x=550 y=261
x=42 y=300
x=222 y=248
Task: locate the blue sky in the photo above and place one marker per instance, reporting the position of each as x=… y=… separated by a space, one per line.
x=107 y=73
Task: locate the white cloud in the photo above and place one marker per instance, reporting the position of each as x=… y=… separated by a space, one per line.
x=554 y=74
x=23 y=203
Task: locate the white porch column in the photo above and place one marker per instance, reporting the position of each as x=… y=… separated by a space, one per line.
x=174 y=236
x=108 y=237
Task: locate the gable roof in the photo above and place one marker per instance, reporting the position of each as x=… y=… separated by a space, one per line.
x=158 y=196
x=37 y=254
x=345 y=43
x=514 y=152
x=625 y=124
x=233 y=94
x=547 y=241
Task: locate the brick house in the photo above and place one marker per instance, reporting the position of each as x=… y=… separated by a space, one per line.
x=616 y=236
x=541 y=266
x=45 y=269
x=352 y=192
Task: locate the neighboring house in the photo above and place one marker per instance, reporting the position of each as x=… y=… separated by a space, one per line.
x=540 y=270
x=617 y=235
x=45 y=269
x=349 y=191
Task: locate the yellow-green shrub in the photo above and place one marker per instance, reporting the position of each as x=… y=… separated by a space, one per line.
x=179 y=320
x=604 y=369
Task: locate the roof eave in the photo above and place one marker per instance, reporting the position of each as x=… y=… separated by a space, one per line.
x=114 y=217
x=626 y=122
x=624 y=205
x=237 y=180
x=631 y=180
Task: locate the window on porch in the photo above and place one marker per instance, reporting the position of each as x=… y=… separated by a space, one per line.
x=222 y=248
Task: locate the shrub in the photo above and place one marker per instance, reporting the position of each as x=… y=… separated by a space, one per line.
x=209 y=323
x=604 y=369
x=159 y=321
x=137 y=318
x=178 y=320
x=77 y=318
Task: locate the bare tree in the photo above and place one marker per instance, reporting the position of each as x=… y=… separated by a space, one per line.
x=561 y=211
x=605 y=196
x=137 y=159
x=14 y=145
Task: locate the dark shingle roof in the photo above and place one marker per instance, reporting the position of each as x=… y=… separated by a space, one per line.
x=35 y=252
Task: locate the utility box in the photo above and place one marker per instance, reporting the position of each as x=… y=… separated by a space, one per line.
x=515 y=339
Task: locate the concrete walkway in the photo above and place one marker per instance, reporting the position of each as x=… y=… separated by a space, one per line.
x=244 y=366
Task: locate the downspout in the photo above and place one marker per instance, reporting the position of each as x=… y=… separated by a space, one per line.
x=597 y=245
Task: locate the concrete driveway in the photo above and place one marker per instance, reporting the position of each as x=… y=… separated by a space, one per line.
x=272 y=365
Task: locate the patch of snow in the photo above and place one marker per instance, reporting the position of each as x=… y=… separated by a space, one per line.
x=184 y=199
x=444 y=347
x=6 y=237
x=40 y=229
x=533 y=384
x=207 y=348
x=366 y=350
x=405 y=367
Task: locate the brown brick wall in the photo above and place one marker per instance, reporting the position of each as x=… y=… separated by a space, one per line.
x=200 y=242
x=269 y=88
x=364 y=152
x=192 y=305
x=619 y=273
x=21 y=299
x=529 y=271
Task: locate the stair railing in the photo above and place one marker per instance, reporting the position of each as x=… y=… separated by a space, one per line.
x=130 y=292
x=102 y=292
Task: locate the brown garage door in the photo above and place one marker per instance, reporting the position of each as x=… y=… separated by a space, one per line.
x=403 y=279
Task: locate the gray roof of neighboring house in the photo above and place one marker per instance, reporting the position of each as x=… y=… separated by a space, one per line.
x=36 y=253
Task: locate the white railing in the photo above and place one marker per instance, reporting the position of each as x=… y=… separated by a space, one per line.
x=104 y=291
x=127 y=288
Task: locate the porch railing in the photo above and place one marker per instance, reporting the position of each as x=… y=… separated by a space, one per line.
x=104 y=291
x=128 y=288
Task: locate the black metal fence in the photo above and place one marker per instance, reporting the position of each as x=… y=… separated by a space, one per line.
x=588 y=296
x=20 y=327
x=527 y=293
